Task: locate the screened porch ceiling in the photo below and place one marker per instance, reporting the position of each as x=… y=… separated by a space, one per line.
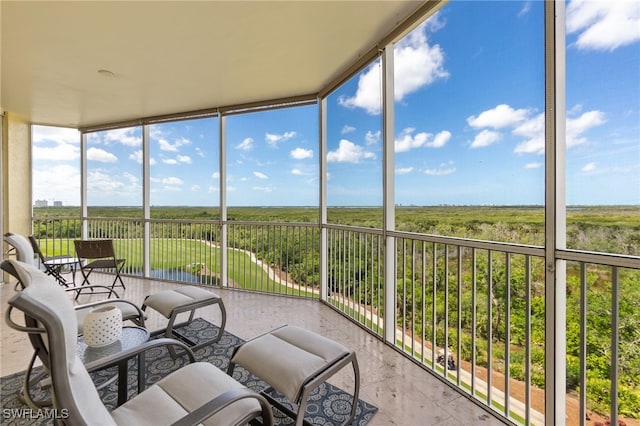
x=172 y=56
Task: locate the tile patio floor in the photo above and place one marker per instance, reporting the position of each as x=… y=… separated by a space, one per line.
x=405 y=394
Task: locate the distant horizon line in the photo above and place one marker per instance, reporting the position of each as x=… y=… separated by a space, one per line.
x=349 y=207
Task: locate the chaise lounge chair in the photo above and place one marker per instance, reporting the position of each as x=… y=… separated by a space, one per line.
x=198 y=393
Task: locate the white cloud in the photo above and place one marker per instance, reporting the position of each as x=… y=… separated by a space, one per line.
x=273 y=139
x=297 y=172
x=301 y=153
x=500 y=116
x=532 y=130
x=173 y=147
x=200 y=152
x=262 y=188
x=407 y=141
x=367 y=95
x=215 y=175
x=127 y=137
x=59 y=182
x=61 y=152
x=59 y=135
x=588 y=168
x=184 y=159
x=195 y=188
x=533 y=165
x=530 y=126
x=416 y=64
x=579 y=125
x=442 y=170
x=97 y=154
x=440 y=139
x=99 y=182
x=372 y=138
x=604 y=25
x=347 y=129
x=130 y=177
x=245 y=145
x=526 y=8
x=170 y=161
x=348 y=152
x=260 y=175
x=404 y=170
x=137 y=157
x=531 y=146
x=485 y=138
x=55 y=143
x=173 y=181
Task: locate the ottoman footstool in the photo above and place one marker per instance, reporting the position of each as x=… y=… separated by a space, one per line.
x=171 y=303
x=294 y=362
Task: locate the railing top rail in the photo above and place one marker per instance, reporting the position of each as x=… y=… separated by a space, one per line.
x=375 y=231
x=470 y=243
x=262 y=223
x=609 y=259
x=56 y=218
x=187 y=221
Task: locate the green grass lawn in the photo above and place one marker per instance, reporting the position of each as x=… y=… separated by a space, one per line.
x=181 y=254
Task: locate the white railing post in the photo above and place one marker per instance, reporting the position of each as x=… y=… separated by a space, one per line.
x=555 y=214
x=223 y=201
x=322 y=172
x=146 y=202
x=388 y=189
x=83 y=186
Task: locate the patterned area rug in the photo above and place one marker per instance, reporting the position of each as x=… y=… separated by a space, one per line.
x=328 y=404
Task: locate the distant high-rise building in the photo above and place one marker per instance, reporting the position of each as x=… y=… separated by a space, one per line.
x=41 y=203
x=57 y=204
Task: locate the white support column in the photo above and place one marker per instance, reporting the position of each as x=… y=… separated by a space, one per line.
x=388 y=190
x=223 y=200
x=555 y=214
x=322 y=171
x=83 y=185
x=146 y=201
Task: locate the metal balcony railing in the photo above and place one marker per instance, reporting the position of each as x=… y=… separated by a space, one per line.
x=472 y=312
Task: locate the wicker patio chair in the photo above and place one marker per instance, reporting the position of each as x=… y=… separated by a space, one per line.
x=98 y=255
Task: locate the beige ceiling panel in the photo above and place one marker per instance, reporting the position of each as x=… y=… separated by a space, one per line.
x=174 y=56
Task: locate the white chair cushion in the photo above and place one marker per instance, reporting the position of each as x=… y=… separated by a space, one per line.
x=311 y=342
x=24 y=250
x=287 y=357
x=181 y=392
x=168 y=300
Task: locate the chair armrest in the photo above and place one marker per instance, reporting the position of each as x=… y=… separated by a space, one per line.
x=141 y=313
x=115 y=359
x=221 y=401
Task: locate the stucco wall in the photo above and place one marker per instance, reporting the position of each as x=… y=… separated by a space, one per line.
x=16 y=175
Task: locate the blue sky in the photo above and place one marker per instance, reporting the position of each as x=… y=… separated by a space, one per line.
x=469 y=103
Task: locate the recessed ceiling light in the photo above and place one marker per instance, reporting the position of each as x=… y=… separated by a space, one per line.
x=106 y=73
